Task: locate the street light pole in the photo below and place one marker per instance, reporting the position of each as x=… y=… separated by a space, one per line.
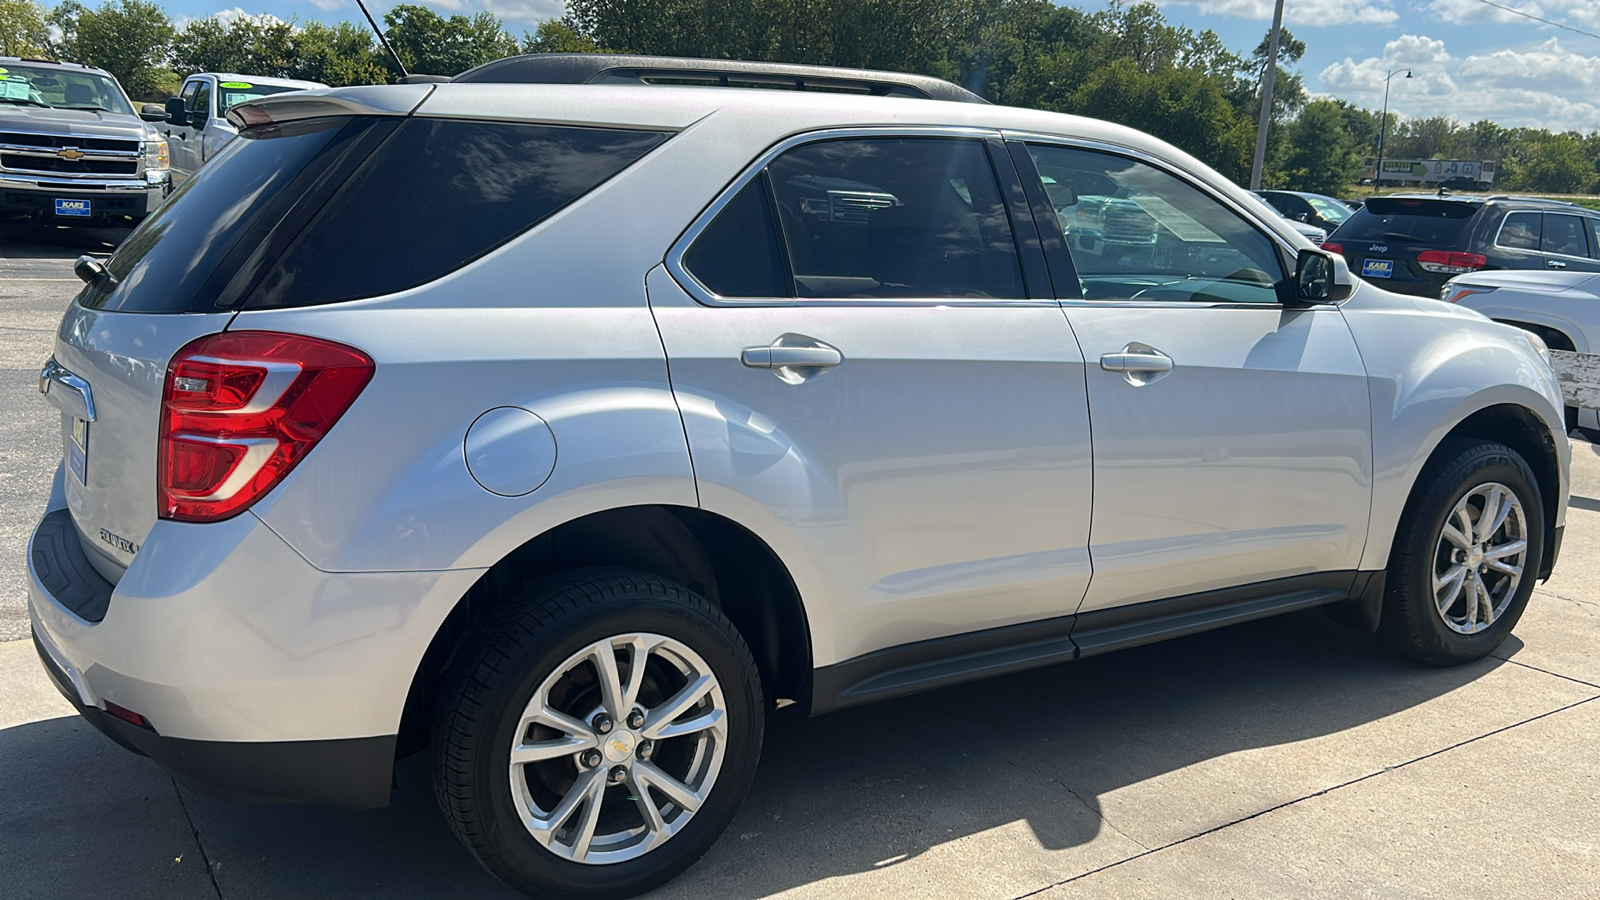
x=1383 y=125
x=1267 y=78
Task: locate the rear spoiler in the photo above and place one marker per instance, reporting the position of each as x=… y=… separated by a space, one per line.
x=372 y=100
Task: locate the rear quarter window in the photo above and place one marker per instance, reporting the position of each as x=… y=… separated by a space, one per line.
x=437 y=195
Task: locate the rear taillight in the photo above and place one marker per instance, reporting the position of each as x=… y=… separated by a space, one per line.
x=1331 y=247
x=240 y=409
x=1448 y=262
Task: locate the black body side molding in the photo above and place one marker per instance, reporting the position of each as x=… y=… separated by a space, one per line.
x=920 y=666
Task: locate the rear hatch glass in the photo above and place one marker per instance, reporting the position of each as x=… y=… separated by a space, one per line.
x=1440 y=224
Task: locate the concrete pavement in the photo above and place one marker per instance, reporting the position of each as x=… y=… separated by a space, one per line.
x=1283 y=758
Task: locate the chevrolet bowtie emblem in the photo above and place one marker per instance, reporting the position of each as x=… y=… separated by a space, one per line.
x=70 y=153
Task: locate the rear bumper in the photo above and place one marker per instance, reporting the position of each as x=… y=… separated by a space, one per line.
x=257 y=673
x=354 y=772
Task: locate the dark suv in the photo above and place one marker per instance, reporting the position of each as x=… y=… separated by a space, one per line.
x=1414 y=243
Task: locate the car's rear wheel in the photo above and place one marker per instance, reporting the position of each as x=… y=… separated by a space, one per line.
x=1466 y=554
x=601 y=737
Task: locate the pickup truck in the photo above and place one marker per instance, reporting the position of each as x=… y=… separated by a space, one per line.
x=72 y=148
x=197 y=127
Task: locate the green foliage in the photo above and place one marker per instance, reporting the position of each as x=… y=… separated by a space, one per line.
x=336 y=55
x=339 y=55
x=22 y=29
x=558 y=36
x=1322 y=156
x=429 y=43
x=128 y=38
x=1550 y=163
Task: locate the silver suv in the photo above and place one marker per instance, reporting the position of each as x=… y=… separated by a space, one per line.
x=680 y=404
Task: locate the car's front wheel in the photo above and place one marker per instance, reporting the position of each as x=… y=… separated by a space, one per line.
x=601 y=737
x=1466 y=554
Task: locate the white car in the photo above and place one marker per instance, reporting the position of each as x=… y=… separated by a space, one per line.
x=197 y=127
x=691 y=402
x=1563 y=308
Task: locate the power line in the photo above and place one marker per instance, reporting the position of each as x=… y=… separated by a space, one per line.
x=1528 y=15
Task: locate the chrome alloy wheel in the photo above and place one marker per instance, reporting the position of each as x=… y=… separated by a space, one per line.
x=1480 y=558
x=618 y=748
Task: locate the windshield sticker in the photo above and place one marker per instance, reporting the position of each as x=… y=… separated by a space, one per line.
x=15 y=90
x=238 y=85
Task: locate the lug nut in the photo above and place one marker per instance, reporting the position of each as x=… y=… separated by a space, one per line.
x=636 y=719
x=644 y=750
x=589 y=758
x=617 y=776
x=602 y=723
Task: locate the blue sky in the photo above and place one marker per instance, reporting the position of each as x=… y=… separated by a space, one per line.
x=1469 y=60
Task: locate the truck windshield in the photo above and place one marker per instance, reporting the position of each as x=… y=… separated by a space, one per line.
x=38 y=86
x=237 y=92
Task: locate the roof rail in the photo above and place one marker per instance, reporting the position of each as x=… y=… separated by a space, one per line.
x=602 y=68
x=1530 y=199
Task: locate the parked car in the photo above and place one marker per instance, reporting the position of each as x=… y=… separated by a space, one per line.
x=1313 y=233
x=1414 y=243
x=641 y=440
x=1322 y=211
x=72 y=149
x=197 y=124
x=1562 y=308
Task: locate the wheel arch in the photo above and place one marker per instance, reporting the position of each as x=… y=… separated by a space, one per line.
x=1558 y=333
x=712 y=555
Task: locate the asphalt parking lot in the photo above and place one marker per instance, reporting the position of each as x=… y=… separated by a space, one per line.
x=1283 y=758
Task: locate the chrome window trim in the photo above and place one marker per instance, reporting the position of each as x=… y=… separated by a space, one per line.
x=706 y=297
x=1286 y=252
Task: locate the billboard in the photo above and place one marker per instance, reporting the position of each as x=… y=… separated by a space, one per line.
x=1432 y=171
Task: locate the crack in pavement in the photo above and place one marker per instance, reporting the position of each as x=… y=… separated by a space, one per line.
x=1548 y=672
x=1100 y=813
x=1328 y=790
x=211 y=871
x=1549 y=593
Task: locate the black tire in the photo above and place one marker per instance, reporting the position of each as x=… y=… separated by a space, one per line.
x=1411 y=624
x=484 y=697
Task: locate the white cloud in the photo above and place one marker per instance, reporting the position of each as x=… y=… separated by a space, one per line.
x=1542 y=85
x=1577 y=13
x=1298 y=13
x=526 y=12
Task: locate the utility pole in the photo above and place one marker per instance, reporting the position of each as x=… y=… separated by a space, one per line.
x=1267 y=77
x=1383 y=124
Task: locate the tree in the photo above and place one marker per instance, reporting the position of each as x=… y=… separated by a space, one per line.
x=128 y=38
x=1552 y=163
x=1322 y=156
x=431 y=44
x=338 y=55
x=22 y=29
x=558 y=36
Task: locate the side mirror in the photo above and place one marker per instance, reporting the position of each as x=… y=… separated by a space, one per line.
x=153 y=112
x=1313 y=276
x=176 y=114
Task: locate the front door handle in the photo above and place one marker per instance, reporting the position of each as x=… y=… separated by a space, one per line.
x=784 y=357
x=1136 y=361
x=1555 y=264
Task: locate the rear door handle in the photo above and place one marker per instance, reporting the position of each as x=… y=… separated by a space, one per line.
x=1555 y=264
x=785 y=357
x=66 y=390
x=1136 y=361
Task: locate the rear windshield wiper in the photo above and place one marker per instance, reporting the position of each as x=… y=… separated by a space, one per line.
x=86 y=108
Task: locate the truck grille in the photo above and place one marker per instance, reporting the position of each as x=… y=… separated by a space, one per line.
x=1129 y=226
x=55 y=165
x=66 y=140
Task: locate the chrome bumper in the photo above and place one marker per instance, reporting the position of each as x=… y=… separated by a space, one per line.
x=46 y=182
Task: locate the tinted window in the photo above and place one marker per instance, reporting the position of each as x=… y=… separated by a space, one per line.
x=1520 y=231
x=1564 y=235
x=894 y=217
x=1436 y=223
x=163 y=265
x=1594 y=237
x=1136 y=232
x=200 y=106
x=437 y=195
x=738 y=254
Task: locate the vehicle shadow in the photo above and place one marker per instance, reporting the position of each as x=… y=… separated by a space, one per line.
x=21 y=238
x=869 y=788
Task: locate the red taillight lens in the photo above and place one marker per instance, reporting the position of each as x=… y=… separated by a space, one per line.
x=1331 y=247
x=240 y=409
x=1446 y=261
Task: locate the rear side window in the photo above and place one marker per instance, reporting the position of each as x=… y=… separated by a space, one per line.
x=437 y=195
x=738 y=254
x=1564 y=235
x=1436 y=223
x=1520 y=231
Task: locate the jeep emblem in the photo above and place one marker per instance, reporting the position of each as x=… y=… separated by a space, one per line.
x=1380 y=248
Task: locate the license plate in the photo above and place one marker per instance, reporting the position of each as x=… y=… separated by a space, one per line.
x=1377 y=268
x=72 y=207
x=78 y=451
